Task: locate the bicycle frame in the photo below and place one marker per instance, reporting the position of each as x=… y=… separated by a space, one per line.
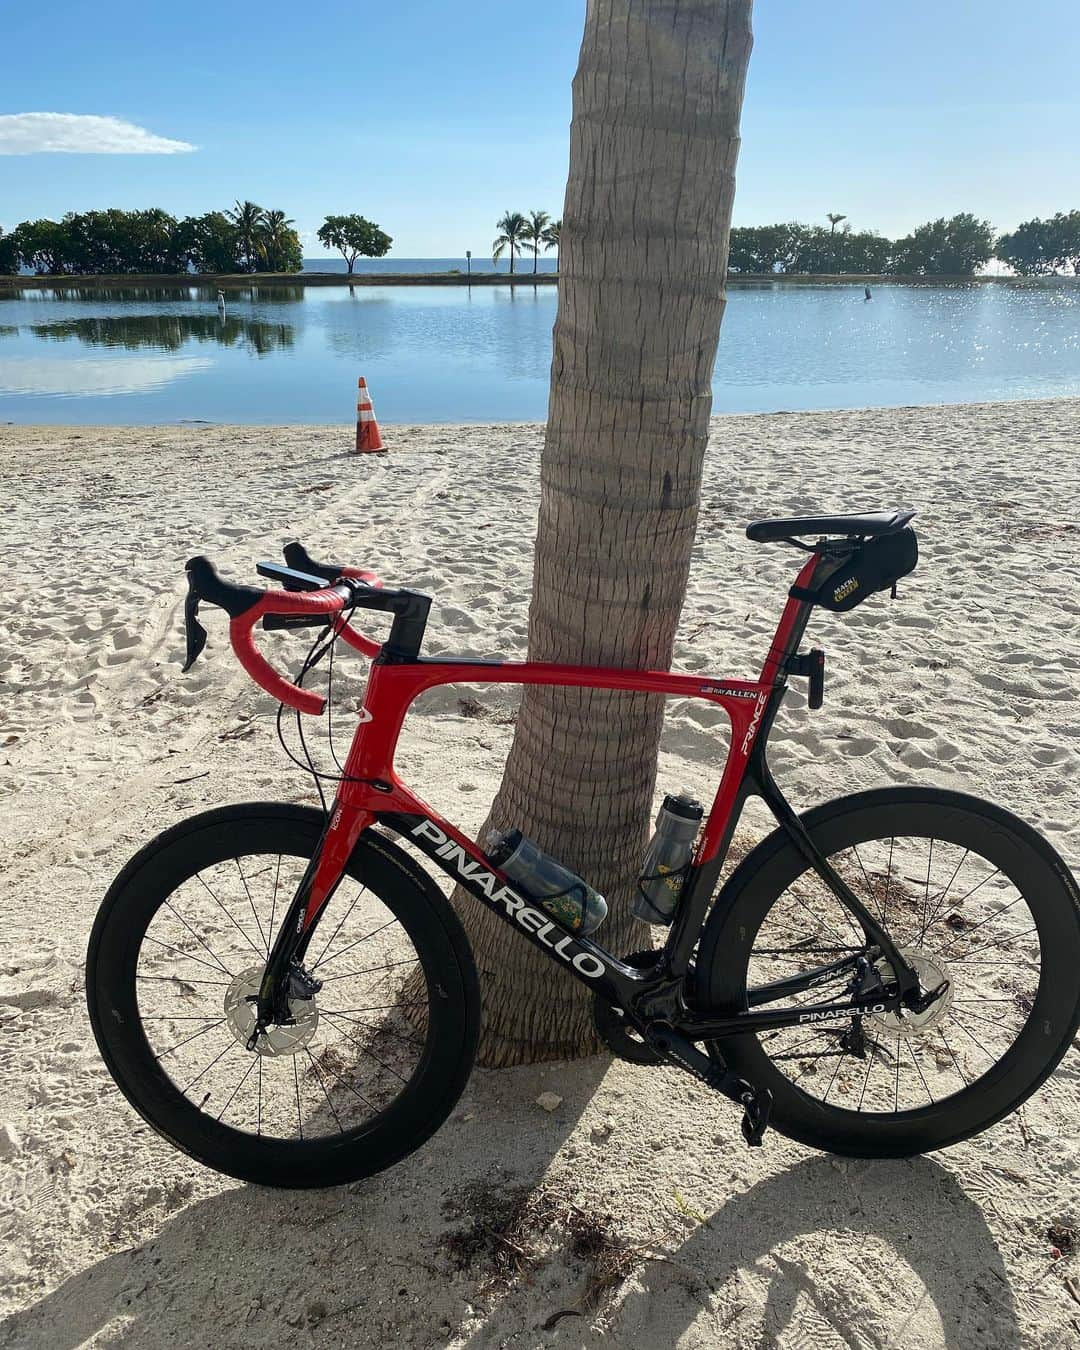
x=371 y=793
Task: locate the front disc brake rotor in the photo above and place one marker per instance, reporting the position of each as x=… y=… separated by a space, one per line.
x=932 y=973
x=241 y=1004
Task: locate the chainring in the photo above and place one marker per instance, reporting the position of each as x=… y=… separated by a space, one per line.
x=615 y=1030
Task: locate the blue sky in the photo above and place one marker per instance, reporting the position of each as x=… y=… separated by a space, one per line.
x=433 y=119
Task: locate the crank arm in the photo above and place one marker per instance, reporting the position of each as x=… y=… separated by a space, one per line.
x=674 y=1048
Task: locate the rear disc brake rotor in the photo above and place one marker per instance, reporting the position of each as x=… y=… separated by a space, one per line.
x=932 y=973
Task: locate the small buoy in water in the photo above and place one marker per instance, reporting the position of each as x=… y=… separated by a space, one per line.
x=221 y=300
x=866 y=293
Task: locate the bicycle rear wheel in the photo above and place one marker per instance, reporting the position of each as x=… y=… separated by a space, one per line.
x=973 y=897
x=371 y=1065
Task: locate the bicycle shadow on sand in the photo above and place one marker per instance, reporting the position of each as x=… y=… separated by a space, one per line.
x=834 y=1252
x=820 y=1251
x=357 y=1265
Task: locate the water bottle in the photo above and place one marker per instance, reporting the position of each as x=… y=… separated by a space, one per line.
x=562 y=893
x=670 y=849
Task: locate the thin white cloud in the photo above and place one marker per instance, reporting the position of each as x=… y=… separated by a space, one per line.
x=33 y=133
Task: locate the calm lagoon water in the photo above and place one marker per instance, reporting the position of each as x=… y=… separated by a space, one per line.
x=454 y=354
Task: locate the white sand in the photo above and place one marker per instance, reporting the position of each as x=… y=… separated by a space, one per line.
x=109 y=1237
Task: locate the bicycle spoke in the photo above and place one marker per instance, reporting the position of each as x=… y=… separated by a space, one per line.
x=246 y=1075
x=919 y=1071
x=299 y=1115
x=357 y=943
x=337 y=930
x=990 y=946
x=273 y=907
x=866 y=878
x=952 y=1052
x=926 y=895
x=368 y=1052
x=188 y=1039
x=832 y=1080
x=330 y=1104
x=198 y=939
x=961 y=937
x=186 y=955
x=411 y=961
x=251 y=902
x=182 y=979
x=227 y=913
x=941 y=898
x=202 y=1073
x=974 y=1039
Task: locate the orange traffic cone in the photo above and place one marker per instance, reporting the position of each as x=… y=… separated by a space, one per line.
x=368 y=440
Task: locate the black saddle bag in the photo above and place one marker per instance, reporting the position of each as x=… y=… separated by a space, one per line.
x=876 y=565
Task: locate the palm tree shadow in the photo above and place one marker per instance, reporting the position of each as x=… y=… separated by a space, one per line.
x=934 y=1236
x=252 y=1266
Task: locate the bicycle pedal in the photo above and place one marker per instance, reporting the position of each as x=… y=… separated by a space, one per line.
x=757 y=1108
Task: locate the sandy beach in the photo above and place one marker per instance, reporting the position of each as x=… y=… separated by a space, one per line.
x=970 y=680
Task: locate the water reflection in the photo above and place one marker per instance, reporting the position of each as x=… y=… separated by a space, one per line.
x=168 y=332
x=458 y=354
x=89 y=377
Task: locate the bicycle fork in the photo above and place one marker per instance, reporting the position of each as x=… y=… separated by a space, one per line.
x=285 y=977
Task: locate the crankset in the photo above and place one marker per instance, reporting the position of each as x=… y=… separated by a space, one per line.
x=614 y=1027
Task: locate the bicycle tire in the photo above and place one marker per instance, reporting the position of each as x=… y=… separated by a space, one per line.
x=1025 y=858
x=452 y=1022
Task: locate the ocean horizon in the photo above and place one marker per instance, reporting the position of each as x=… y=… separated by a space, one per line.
x=383 y=266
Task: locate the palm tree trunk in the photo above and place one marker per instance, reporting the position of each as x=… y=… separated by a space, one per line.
x=654 y=140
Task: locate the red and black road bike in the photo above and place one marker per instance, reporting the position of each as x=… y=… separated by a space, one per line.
x=287 y=996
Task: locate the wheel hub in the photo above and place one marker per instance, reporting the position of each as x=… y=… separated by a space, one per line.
x=932 y=973
x=241 y=1004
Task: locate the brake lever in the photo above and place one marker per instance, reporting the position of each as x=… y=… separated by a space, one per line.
x=194 y=632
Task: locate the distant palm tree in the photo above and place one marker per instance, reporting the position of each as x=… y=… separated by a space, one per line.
x=551 y=235
x=534 y=233
x=248 y=219
x=276 y=227
x=513 y=226
x=834 y=218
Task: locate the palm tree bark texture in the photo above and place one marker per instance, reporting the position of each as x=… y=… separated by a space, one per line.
x=643 y=252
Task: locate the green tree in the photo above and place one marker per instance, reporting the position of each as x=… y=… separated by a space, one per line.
x=248 y=219
x=1038 y=247
x=354 y=237
x=211 y=242
x=279 y=244
x=533 y=233
x=43 y=245
x=552 y=234
x=1027 y=249
x=954 y=247
x=511 y=236
x=9 y=254
x=1065 y=240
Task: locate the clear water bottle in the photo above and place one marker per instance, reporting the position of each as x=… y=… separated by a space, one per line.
x=562 y=893
x=670 y=849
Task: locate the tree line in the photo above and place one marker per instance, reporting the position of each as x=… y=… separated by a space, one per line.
x=957 y=246
x=248 y=238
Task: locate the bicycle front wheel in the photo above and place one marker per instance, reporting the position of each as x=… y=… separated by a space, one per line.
x=973 y=898
x=368 y=1068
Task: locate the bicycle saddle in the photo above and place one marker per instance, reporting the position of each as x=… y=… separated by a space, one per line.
x=873 y=523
